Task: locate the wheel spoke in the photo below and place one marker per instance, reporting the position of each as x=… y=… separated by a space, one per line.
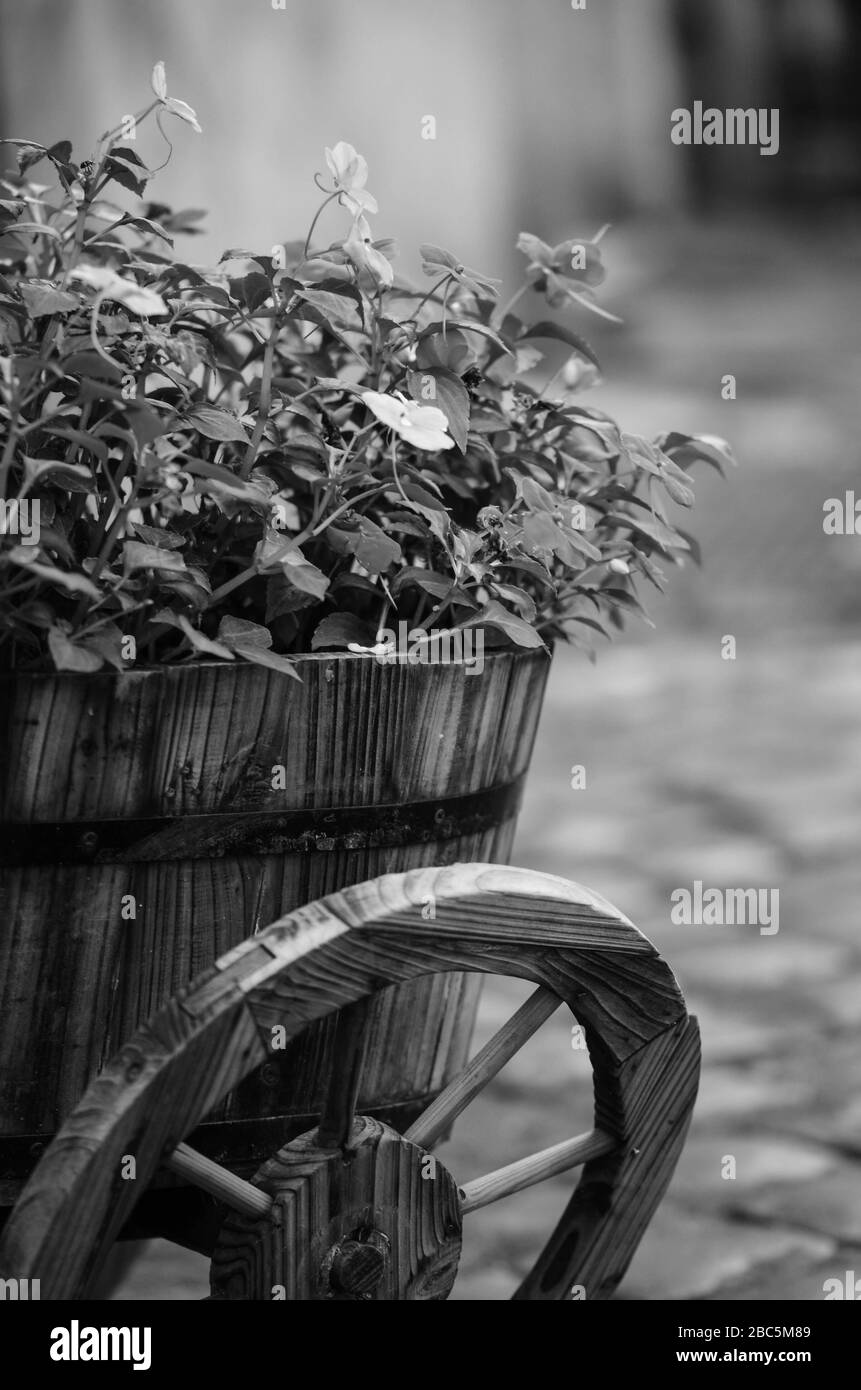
x=218 y=1182
x=336 y=1121
x=528 y=1171
x=492 y=1058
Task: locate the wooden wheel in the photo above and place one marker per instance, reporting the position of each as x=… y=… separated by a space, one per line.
x=354 y=1210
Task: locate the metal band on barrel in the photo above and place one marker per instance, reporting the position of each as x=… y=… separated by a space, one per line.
x=308 y=830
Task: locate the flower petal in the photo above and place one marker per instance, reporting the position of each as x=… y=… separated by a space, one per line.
x=184 y=111
x=158 y=81
x=359 y=201
x=348 y=168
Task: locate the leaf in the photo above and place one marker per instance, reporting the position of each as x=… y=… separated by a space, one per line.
x=87 y=441
x=678 y=491
x=137 y=556
x=196 y=638
x=153 y=535
x=556 y=331
x=107 y=641
x=652 y=527
x=274 y=552
x=587 y=622
x=124 y=176
x=66 y=579
x=234 y=632
x=42 y=298
x=71 y=656
x=494 y=615
x=145 y=224
x=686 y=449
x=519 y=597
x=129 y=155
x=339 y=630
x=213 y=423
x=370 y=544
x=251 y=290
x=468 y=327
x=439 y=585
x=74 y=477
x=449 y=350
x=449 y=395
x=262 y=657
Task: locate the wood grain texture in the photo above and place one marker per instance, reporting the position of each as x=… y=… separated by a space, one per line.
x=460 y=1092
x=324 y=1199
x=535 y=1168
x=77 y=978
x=329 y=954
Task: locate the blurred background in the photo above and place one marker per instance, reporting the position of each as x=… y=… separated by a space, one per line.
x=743 y=773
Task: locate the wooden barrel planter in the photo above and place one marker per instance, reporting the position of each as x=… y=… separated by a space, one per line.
x=153 y=819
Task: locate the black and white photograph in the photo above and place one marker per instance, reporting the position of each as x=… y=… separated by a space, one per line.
x=430 y=671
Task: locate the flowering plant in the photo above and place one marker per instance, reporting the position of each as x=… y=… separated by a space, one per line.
x=298 y=448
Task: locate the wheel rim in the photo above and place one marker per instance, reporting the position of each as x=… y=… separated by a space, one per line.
x=334 y=953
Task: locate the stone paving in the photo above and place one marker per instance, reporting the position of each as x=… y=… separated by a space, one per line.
x=702 y=786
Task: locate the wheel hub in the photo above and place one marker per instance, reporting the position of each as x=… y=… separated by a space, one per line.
x=378 y=1220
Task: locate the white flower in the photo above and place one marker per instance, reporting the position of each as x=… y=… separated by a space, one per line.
x=364 y=255
x=350 y=172
x=112 y=286
x=158 y=82
x=423 y=426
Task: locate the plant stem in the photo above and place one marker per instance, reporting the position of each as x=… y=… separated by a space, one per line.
x=316 y=220
x=265 y=393
x=506 y=310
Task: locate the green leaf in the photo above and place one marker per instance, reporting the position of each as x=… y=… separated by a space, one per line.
x=449 y=395
x=213 y=423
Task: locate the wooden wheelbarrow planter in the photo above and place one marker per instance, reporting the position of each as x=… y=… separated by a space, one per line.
x=353 y=1209
x=151 y=823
